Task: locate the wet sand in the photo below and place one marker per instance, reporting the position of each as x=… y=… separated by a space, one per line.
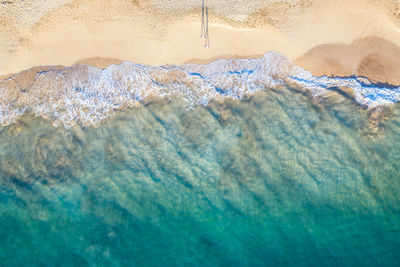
x=372 y=57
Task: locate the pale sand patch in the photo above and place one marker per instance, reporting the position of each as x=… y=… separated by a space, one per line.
x=72 y=43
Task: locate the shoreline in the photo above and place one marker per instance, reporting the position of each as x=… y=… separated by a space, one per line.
x=374 y=58
x=87 y=95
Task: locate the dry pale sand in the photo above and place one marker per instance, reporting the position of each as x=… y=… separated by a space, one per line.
x=357 y=37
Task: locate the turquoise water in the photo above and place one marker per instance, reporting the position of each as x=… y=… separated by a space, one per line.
x=278 y=178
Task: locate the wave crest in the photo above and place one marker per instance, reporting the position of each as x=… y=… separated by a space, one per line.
x=87 y=95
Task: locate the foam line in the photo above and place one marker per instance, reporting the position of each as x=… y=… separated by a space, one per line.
x=87 y=95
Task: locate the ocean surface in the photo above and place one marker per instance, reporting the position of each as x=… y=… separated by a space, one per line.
x=240 y=163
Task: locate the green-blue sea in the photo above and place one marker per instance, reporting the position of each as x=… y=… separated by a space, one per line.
x=276 y=179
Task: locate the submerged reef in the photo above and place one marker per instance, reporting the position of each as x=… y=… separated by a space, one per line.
x=274 y=179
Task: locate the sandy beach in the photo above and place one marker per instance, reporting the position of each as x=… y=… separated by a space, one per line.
x=325 y=37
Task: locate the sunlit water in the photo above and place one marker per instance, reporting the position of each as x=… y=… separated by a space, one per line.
x=278 y=178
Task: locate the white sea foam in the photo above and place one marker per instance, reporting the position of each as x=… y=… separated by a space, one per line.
x=87 y=95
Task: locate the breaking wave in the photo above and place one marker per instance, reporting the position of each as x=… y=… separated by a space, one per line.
x=87 y=95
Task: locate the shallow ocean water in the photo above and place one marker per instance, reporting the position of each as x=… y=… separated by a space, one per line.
x=278 y=178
